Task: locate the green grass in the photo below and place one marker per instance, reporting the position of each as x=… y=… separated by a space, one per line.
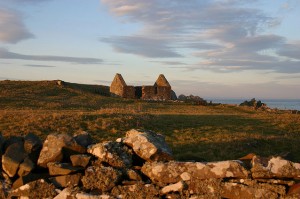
x=203 y=133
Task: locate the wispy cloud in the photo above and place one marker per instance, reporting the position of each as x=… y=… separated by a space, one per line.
x=12 y=28
x=170 y=63
x=265 y=90
x=224 y=35
x=5 y=54
x=39 y=66
x=143 y=46
x=7 y=78
x=104 y=82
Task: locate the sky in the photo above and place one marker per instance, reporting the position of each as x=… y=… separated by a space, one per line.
x=210 y=48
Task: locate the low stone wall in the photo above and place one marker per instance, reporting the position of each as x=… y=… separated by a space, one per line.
x=139 y=165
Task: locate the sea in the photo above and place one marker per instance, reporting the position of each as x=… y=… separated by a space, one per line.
x=283 y=104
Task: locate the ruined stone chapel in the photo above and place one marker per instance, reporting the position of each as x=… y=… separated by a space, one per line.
x=161 y=90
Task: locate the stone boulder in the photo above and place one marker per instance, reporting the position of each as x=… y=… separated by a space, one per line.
x=57 y=147
x=26 y=167
x=32 y=146
x=274 y=167
x=90 y=196
x=83 y=139
x=81 y=160
x=139 y=190
x=1 y=144
x=148 y=145
x=237 y=191
x=57 y=168
x=66 y=180
x=12 y=158
x=22 y=180
x=206 y=188
x=133 y=175
x=101 y=178
x=172 y=172
x=177 y=187
x=35 y=189
x=113 y=153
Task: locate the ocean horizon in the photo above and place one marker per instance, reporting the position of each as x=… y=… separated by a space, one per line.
x=283 y=104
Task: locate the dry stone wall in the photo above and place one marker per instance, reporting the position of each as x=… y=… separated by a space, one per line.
x=140 y=165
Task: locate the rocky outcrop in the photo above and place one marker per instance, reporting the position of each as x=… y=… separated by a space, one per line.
x=254 y=104
x=71 y=169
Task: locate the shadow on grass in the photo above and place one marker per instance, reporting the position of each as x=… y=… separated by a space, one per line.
x=230 y=150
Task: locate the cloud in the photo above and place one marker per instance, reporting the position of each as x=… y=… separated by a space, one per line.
x=224 y=35
x=143 y=46
x=7 y=78
x=39 y=66
x=102 y=82
x=12 y=28
x=262 y=52
x=5 y=54
x=268 y=90
x=291 y=50
x=172 y=63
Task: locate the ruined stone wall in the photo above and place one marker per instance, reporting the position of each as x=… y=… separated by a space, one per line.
x=117 y=89
x=156 y=93
x=129 y=92
x=164 y=93
x=118 y=86
x=148 y=93
x=160 y=91
x=139 y=165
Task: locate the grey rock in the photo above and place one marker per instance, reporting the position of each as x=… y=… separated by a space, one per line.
x=22 y=180
x=177 y=187
x=66 y=180
x=58 y=146
x=90 y=196
x=83 y=139
x=237 y=191
x=81 y=160
x=35 y=189
x=113 y=153
x=100 y=178
x=139 y=190
x=148 y=145
x=274 y=167
x=32 y=146
x=133 y=175
x=65 y=194
x=11 y=140
x=12 y=158
x=56 y=168
x=26 y=167
x=172 y=172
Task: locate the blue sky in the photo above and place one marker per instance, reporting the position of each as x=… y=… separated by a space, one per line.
x=210 y=48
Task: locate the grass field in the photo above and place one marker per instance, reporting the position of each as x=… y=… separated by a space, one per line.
x=202 y=133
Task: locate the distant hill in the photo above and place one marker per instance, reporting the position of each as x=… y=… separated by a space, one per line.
x=51 y=95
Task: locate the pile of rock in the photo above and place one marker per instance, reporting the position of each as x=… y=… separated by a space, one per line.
x=137 y=166
x=255 y=104
x=192 y=99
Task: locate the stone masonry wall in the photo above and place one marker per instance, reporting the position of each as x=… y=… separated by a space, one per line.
x=129 y=92
x=163 y=92
x=148 y=92
x=140 y=165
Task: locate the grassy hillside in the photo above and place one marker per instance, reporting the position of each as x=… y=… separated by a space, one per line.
x=204 y=133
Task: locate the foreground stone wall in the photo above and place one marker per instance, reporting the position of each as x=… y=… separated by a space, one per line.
x=140 y=165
